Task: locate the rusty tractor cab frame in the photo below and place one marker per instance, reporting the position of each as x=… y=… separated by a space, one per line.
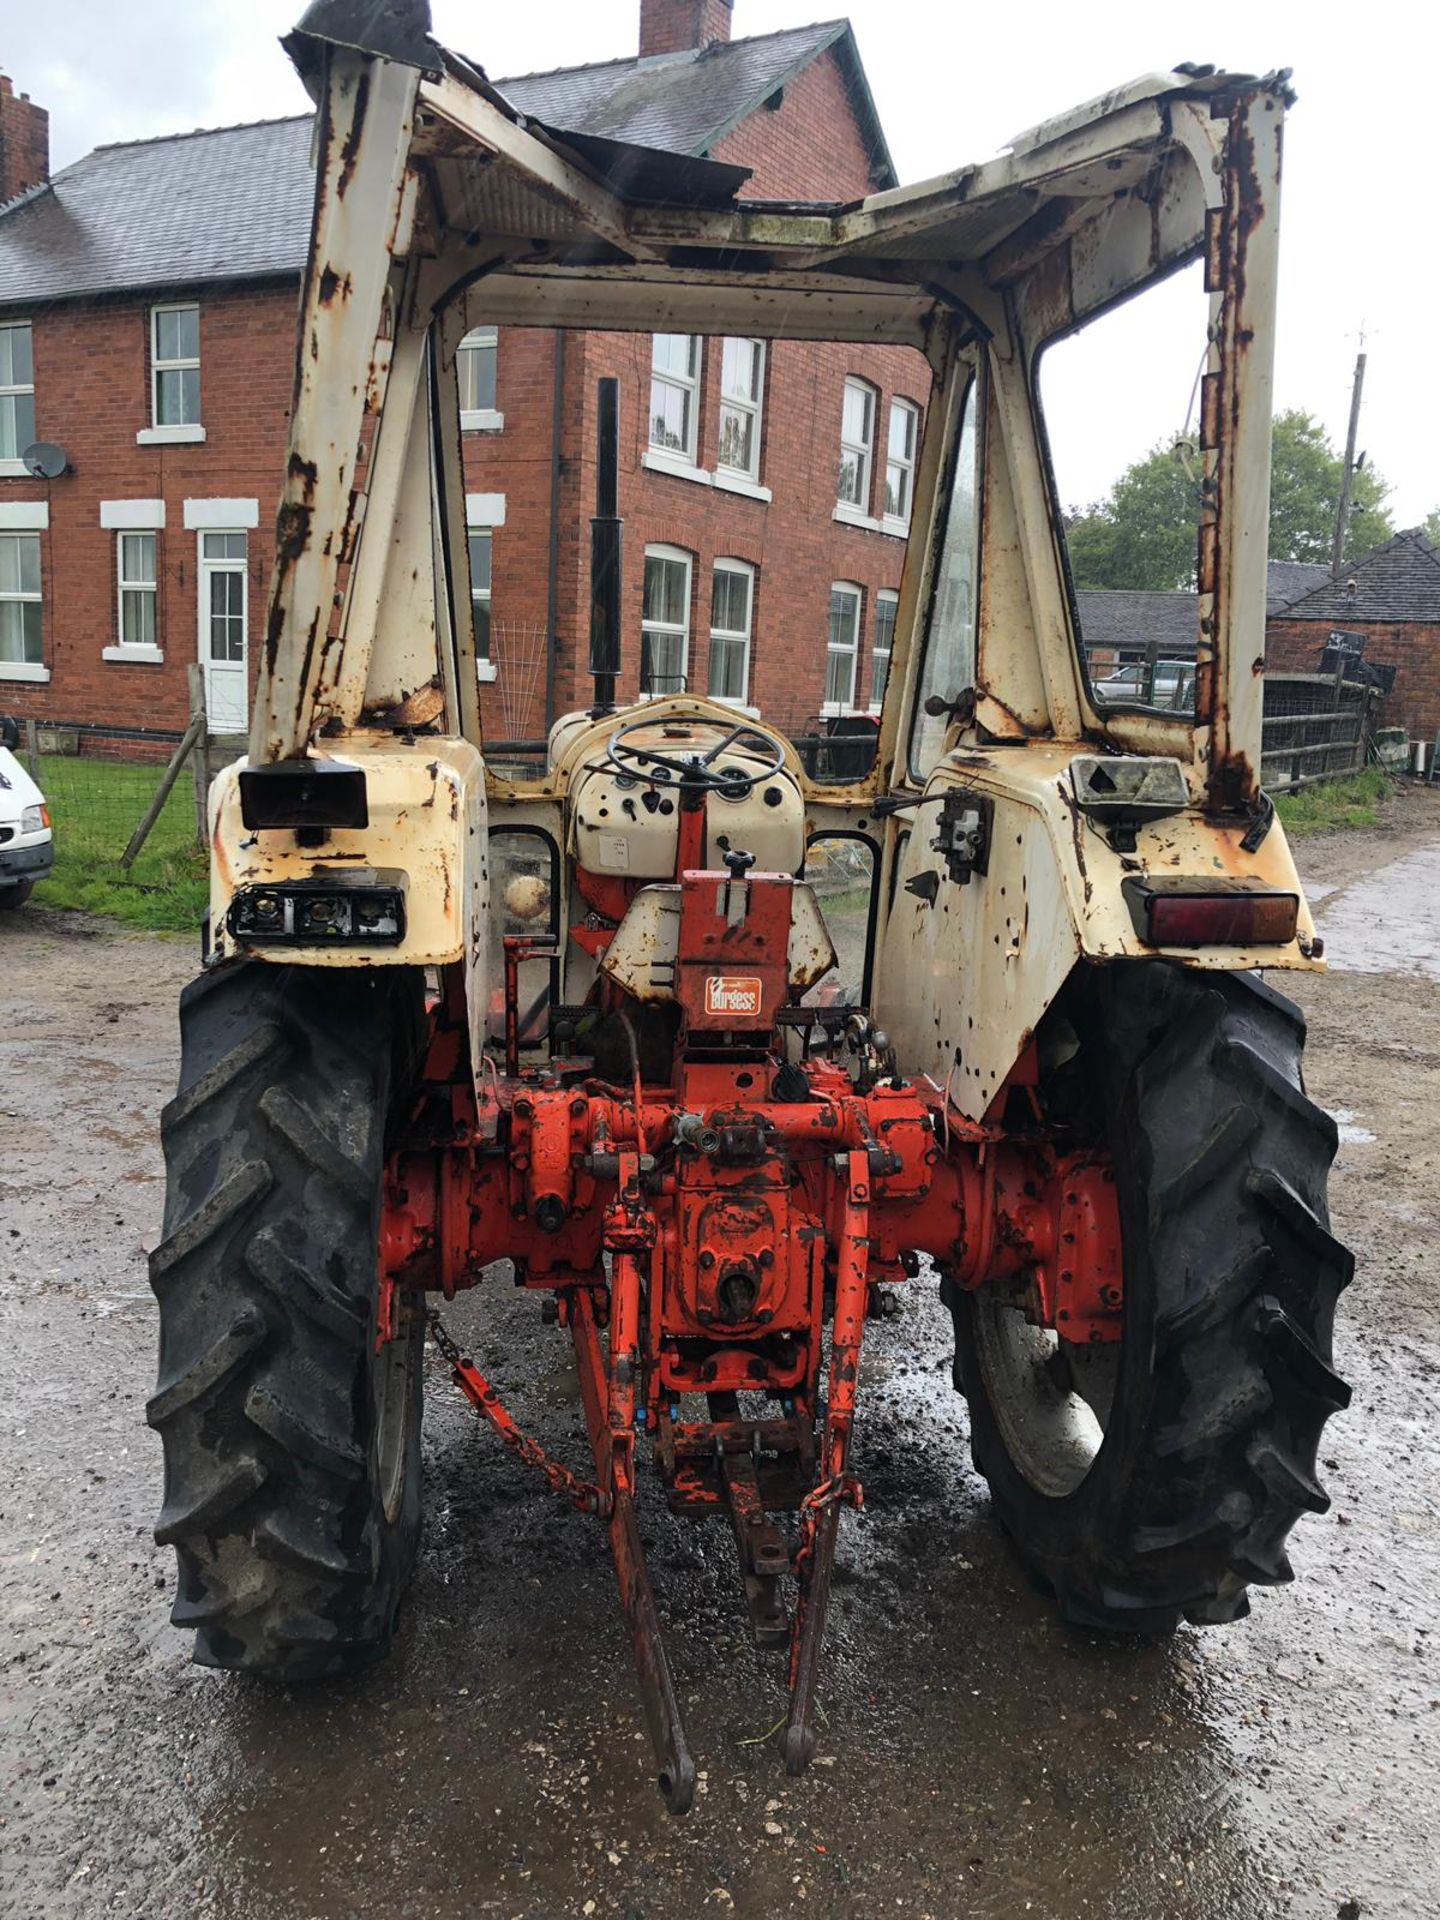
x=700 y=1169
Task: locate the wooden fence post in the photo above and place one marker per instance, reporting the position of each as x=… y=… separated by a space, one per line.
x=201 y=750
x=162 y=792
x=32 y=750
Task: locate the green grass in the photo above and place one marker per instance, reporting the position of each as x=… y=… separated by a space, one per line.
x=1351 y=802
x=95 y=807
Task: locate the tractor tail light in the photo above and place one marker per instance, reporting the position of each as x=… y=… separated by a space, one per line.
x=1185 y=912
x=364 y=907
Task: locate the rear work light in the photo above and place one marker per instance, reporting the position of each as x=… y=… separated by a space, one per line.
x=365 y=907
x=303 y=793
x=1180 y=911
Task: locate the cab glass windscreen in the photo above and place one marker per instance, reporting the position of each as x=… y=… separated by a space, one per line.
x=1121 y=405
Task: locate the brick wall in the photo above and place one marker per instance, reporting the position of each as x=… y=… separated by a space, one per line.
x=92 y=397
x=517 y=463
x=24 y=142
x=1412 y=647
x=808 y=147
x=794 y=543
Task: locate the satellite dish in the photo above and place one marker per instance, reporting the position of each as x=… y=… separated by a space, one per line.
x=45 y=460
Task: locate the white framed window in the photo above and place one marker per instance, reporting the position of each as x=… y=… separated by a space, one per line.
x=21 y=641
x=742 y=399
x=174 y=367
x=887 y=605
x=857 y=441
x=484 y=512
x=477 y=366
x=843 y=646
x=137 y=525
x=900 y=460
x=665 y=621
x=17 y=395
x=481 y=558
x=675 y=395
x=137 y=573
x=732 y=607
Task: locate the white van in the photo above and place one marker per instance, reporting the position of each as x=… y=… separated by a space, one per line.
x=27 y=846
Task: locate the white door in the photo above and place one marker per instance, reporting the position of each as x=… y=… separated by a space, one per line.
x=224 y=624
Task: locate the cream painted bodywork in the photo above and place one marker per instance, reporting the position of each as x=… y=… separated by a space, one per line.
x=428 y=819
x=642 y=956
x=610 y=833
x=963 y=982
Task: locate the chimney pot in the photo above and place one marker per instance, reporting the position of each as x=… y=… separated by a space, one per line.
x=679 y=26
x=24 y=142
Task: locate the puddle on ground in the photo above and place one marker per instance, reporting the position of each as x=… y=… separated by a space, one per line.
x=1388 y=922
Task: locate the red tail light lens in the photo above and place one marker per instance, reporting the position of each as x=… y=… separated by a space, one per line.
x=1185 y=912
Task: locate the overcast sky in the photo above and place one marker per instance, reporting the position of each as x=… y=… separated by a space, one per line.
x=951 y=84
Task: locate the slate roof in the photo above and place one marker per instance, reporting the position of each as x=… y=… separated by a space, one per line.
x=1131 y=617
x=234 y=203
x=686 y=102
x=1287 y=580
x=1397 y=582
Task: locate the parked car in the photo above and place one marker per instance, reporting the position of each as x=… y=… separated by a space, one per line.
x=27 y=846
x=1173 y=689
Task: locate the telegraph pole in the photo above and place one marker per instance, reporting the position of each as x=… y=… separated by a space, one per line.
x=1347 y=478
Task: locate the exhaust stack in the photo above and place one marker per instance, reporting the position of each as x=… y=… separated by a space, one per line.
x=606 y=550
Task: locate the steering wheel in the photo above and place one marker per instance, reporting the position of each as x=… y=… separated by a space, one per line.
x=695 y=770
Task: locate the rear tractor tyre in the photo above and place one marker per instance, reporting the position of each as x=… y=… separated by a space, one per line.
x=1155 y=1479
x=292 y=1448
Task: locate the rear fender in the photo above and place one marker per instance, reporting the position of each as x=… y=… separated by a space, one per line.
x=427 y=808
x=966 y=976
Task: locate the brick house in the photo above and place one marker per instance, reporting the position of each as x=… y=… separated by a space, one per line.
x=147 y=315
x=1390 y=600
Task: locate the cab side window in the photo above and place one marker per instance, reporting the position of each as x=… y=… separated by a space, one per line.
x=949 y=664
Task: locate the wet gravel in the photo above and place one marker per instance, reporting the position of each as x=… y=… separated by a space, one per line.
x=975 y=1759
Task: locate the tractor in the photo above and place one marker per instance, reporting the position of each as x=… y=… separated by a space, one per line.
x=584 y=1015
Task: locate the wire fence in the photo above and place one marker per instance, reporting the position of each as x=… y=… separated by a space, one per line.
x=95 y=807
x=1317 y=727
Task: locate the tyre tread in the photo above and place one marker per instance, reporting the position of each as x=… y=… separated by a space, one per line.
x=265 y=1280
x=1220 y=1460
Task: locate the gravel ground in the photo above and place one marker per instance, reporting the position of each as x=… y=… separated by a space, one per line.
x=975 y=1759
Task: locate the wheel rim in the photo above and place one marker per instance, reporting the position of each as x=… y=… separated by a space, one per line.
x=1051 y=1401
x=395 y=1376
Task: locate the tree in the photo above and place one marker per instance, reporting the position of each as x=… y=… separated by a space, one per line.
x=1305 y=477
x=1143 y=534
x=1431 y=528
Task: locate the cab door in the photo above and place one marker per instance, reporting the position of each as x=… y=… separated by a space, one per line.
x=977 y=932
